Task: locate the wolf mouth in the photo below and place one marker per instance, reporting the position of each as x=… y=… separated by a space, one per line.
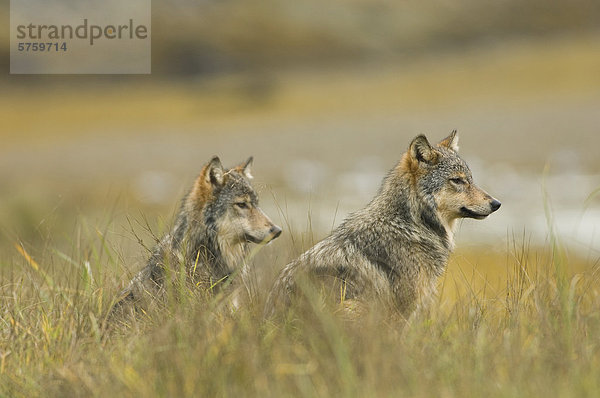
x=253 y=239
x=471 y=214
x=272 y=235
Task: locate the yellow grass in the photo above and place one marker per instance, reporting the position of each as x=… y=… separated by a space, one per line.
x=511 y=320
x=505 y=324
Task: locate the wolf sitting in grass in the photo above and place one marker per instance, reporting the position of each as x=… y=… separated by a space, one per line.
x=394 y=250
x=210 y=240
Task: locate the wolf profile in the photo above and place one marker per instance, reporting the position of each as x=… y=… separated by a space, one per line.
x=394 y=250
x=216 y=223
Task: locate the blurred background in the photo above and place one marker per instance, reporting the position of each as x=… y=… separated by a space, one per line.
x=326 y=96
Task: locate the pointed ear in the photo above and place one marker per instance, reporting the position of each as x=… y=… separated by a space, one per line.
x=421 y=150
x=450 y=142
x=246 y=168
x=214 y=171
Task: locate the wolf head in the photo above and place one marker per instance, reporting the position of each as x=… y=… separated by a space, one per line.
x=440 y=176
x=229 y=205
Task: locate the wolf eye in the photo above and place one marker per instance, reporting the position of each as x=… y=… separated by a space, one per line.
x=458 y=181
x=242 y=205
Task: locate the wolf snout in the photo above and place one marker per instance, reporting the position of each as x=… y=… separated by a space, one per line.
x=275 y=231
x=264 y=236
x=495 y=205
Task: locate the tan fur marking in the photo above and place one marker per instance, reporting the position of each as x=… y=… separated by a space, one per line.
x=202 y=191
x=409 y=166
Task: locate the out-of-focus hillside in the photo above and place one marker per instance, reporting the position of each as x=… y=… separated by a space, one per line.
x=215 y=37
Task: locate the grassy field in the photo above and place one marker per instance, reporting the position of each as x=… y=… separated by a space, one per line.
x=513 y=319
x=517 y=321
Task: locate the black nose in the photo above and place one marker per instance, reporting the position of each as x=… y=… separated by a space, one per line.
x=275 y=231
x=495 y=205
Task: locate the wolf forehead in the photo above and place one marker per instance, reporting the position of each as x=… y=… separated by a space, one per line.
x=236 y=186
x=450 y=163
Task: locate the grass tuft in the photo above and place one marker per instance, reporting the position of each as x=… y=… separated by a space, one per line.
x=507 y=323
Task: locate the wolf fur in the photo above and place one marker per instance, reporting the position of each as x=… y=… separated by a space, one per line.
x=394 y=250
x=210 y=240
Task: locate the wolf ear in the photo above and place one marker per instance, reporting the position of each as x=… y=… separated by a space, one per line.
x=246 y=168
x=450 y=142
x=421 y=150
x=214 y=171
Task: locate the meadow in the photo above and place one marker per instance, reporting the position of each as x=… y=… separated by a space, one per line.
x=93 y=177
x=515 y=321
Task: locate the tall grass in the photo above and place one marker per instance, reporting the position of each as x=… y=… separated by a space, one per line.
x=534 y=333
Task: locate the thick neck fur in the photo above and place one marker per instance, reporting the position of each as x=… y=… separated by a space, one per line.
x=401 y=218
x=398 y=201
x=403 y=178
x=196 y=239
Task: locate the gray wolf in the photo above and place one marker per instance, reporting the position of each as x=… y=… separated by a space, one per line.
x=218 y=219
x=394 y=250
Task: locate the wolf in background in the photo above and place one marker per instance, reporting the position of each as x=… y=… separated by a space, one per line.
x=210 y=240
x=393 y=251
